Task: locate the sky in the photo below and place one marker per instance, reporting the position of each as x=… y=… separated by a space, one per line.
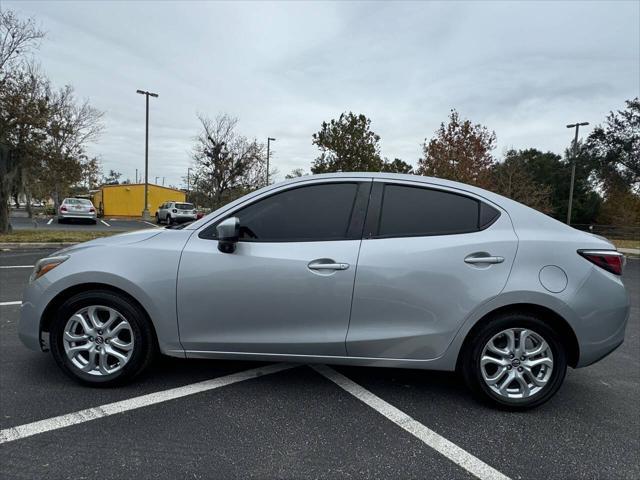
x=523 y=69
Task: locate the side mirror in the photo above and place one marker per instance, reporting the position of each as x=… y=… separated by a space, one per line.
x=228 y=233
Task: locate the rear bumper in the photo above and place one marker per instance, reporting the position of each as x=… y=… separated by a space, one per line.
x=602 y=307
x=184 y=218
x=78 y=215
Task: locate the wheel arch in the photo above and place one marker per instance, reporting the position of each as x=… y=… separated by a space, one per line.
x=553 y=319
x=61 y=297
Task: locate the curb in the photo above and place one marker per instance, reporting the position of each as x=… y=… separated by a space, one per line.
x=35 y=246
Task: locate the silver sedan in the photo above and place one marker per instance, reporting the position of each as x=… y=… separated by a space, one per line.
x=352 y=268
x=77 y=209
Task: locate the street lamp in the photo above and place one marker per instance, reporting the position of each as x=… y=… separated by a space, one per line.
x=269 y=140
x=573 y=166
x=145 y=211
x=188 y=184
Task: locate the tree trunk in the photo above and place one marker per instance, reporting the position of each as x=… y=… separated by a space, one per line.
x=5 y=226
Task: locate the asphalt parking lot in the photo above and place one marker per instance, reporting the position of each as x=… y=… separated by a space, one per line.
x=297 y=423
x=20 y=221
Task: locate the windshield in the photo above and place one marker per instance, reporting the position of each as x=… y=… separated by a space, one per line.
x=184 y=206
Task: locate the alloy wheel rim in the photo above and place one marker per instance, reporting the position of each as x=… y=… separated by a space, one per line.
x=98 y=340
x=516 y=363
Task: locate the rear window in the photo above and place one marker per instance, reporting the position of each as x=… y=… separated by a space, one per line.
x=184 y=206
x=77 y=201
x=413 y=211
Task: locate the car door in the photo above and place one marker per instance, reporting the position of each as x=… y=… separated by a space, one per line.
x=429 y=257
x=287 y=288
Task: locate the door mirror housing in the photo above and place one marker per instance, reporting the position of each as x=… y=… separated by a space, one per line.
x=228 y=232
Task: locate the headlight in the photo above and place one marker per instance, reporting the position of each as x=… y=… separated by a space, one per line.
x=46 y=264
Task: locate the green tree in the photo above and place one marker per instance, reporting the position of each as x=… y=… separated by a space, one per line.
x=396 y=166
x=460 y=151
x=20 y=104
x=615 y=149
x=347 y=145
x=549 y=171
x=295 y=173
x=113 y=178
x=513 y=179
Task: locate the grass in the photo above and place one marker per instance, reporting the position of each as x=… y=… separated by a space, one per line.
x=626 y=243
x=37 y=236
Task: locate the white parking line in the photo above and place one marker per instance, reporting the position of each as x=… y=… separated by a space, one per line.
x=16 y=266
x=2 y=304
x=440 y=444
x=49 y=222
x=105 y=223
x=62 y=421
x=149 y=223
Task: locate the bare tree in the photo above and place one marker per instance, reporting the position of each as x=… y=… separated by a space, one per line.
x=226 y=163
x=17 y=38
x=70 y=126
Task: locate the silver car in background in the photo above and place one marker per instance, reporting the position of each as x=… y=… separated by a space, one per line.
x=352 y=268
x=77 y=209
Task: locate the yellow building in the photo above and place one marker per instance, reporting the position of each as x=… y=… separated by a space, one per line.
x=127 y=200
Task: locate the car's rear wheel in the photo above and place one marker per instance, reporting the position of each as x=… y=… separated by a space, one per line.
x=515 y=361
x=169 y=220
x=101 y=338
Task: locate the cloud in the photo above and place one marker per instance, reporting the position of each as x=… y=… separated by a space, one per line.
x=524 y=69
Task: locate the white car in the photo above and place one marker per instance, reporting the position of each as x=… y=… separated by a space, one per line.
x=77 y=208
x=176 y=212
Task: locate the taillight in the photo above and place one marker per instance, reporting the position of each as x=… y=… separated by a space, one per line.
x=63 y=208
x=610 y=260
x=91 y=210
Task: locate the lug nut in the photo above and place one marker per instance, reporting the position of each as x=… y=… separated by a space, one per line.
x=508 y=367
x=99 y=332
x=520 y=369
x=511 y=355
x=91 y=339
x=522 y=358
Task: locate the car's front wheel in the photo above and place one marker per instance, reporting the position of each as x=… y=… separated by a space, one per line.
x=515 y=361
x=101 y=338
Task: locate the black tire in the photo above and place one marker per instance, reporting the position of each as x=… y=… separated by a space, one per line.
x=471 y=369
x=157 y=219
x=169 y=220
x=60 y=220
x=143 y=337
x=94 y=222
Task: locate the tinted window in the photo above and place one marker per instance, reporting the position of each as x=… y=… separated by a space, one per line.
x=410 y=211
x=317 y=212
x=184 y=206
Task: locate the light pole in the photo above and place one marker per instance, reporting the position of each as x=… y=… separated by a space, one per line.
x=269 y=140
x=573 y=166
x=188 y=184
x=145 y=211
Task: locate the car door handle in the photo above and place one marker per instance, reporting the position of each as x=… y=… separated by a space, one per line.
x=327 y=266
x=488 y=259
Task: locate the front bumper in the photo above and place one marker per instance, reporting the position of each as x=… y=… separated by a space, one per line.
x=30 y=315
